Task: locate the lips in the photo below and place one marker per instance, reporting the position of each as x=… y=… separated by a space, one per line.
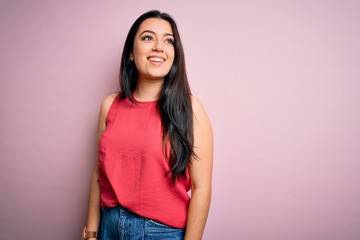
x=156 y=59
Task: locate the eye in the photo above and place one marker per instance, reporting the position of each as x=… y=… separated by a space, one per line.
x=170 y=41
x=147 y=38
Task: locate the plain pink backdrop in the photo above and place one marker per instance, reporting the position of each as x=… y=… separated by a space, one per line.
x=280 y=81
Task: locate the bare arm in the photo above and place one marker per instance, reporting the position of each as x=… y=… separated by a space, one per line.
x=93 y=218
x=200 y=173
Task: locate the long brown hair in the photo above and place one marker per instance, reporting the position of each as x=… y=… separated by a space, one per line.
x=174 y=102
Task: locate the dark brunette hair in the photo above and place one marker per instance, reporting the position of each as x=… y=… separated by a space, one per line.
x=174 y=102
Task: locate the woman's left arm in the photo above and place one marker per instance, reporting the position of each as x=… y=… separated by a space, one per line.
x=200 y=170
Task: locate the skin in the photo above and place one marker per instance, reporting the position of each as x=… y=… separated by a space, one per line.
x=200 y=173
x=153 y=55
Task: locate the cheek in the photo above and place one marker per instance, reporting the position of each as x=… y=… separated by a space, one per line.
x=135 y=54
x=171 y=62
x=138 y=50
x=171 y=55
x=171 y=58
x=137 y=59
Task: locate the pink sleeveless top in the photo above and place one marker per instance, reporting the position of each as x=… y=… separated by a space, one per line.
x=133 y=170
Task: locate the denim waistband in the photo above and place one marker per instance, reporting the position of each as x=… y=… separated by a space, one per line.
x=121 y=223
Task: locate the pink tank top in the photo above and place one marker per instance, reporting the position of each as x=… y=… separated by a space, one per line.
x=133 y=170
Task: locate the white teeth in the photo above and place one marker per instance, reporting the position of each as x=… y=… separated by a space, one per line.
x=156 y=59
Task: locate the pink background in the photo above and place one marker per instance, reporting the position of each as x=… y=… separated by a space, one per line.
x=280 y=82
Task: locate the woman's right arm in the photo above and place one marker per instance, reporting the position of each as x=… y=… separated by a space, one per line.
x=93 y=219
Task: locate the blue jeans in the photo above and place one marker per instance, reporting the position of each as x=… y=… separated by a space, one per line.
x=118 y=223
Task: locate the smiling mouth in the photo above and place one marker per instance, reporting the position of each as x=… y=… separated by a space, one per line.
x=156 y=59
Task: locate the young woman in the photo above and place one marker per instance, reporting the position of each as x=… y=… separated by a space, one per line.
x=155 y=144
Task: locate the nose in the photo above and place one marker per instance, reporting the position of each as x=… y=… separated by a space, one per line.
x=158 y=46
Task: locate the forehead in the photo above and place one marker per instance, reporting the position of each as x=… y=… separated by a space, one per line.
x=157 y=25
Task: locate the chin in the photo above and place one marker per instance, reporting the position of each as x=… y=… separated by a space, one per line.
x=157 y=76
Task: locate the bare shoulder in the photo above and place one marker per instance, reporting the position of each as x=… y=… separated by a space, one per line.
x=197 y=106
x=199 y=111
x=108 y=100
x=106 y=103
x=104 y=109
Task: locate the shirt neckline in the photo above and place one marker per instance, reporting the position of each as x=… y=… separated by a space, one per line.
x=143 y=102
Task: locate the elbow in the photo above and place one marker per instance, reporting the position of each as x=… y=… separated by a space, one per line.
x=202 y=192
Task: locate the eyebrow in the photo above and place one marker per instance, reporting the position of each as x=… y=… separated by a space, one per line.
x=152 y=32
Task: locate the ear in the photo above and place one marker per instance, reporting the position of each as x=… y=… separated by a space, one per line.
x=131 y=57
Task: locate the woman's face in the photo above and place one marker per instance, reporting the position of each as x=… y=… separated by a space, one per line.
x=153 y=51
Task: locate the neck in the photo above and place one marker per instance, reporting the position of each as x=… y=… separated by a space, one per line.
x=148 y=90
